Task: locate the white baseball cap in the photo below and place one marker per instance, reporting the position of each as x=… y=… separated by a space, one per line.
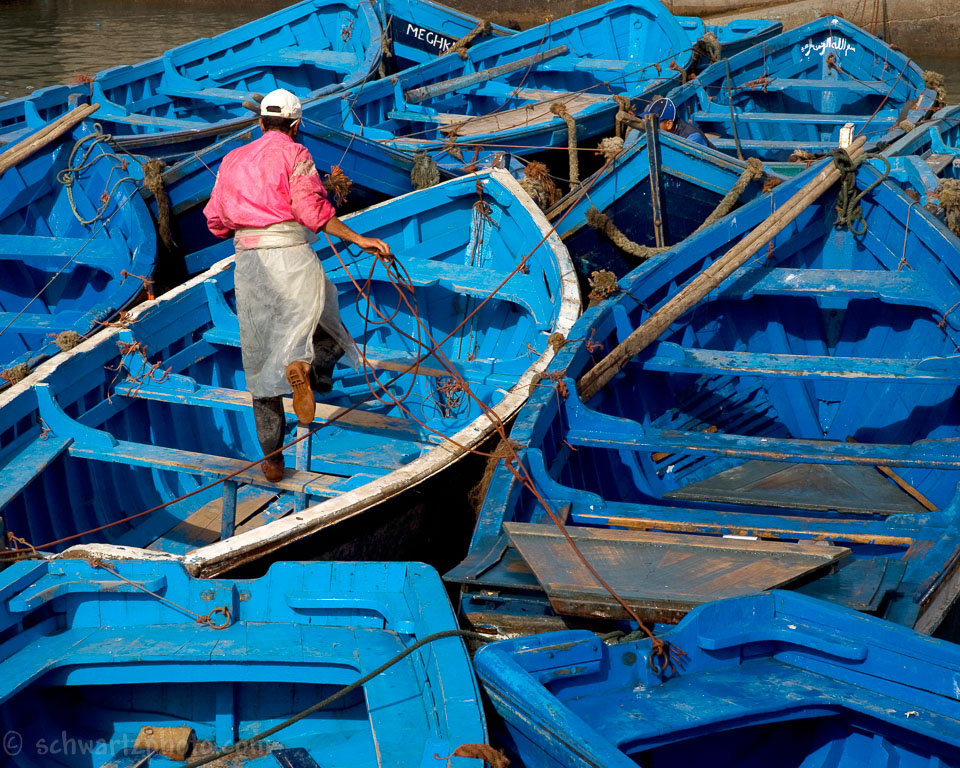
x=281 y=103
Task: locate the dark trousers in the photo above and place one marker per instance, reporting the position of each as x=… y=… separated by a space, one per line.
x=268 y=411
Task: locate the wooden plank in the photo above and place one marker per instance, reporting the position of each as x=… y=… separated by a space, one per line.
x=203 y=526
x=659 y=574
x=38 y=322
x=189 y=462
x=418 y=95
x=240 y=400
x=904 y=287
x=823 y=487
x=53 y=252
x=530 y=114
x=24 y=467
x=616 y=434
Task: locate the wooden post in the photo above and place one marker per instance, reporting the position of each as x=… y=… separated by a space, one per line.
x=651 y=126
x=228 y=510
x=49 y=133
x=302 y=463
x=711 y=278
x=417 y=95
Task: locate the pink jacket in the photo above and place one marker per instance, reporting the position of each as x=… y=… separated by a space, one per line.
x=267 y=181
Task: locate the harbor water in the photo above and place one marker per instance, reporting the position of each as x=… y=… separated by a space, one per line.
x=46 y=42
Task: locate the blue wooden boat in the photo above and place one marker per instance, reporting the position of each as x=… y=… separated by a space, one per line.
x=377 y=173
x=142 y=414
x=734 y=36
x=798 y=89
x=691 y=180
x=769 y=681
x=501 y=95
x=74 y=237
x=922 y=159
x=97 y=656
x=807 y=408
x=420 y=30
x=184 y=99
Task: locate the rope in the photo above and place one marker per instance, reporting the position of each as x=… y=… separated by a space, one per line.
x=67 y=340
x=599 y=220
x=68 y=176
x=610 y=147
x=561 y=111
x=708 y=47
x=460 y=46
x=948 y=203
x=15 y=373
x=425 y=172
x=936 y=82
x=624 y=112
x=338 y=184
x=153 y=180
x=733 y=119
x=386 y=48
x=849 y=211
x=603 y=283
x=200 y=618
x=537 y=183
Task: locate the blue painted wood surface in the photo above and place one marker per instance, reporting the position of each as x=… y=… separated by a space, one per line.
x=185 y=98
x=927 y=155
x=798 y=89
x=378 y=173
x=123 y=439
x=420 y=30
x=734 y=36
x=610 y=49
x=87 y=656
x=694 y=179
x=770 y=680
x=824 y=337
x=56 y=272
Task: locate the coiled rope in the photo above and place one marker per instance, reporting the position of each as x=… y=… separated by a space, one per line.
x=69 y=175
x=849 y=211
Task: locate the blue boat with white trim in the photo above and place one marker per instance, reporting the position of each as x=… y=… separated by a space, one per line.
x=76 y=246
x=507 y=93
x=798 y=426
x=153 y=414
x=107 y=664
x=797 y=90
x=186 y=98
x=777 y=680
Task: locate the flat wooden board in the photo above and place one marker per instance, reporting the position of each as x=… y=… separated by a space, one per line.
x=519 y=117
x=822 y=487
x=660 y=575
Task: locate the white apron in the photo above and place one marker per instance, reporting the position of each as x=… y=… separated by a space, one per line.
x=282 y=295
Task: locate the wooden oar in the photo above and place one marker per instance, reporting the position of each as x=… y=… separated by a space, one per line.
x=49 y=133
x=656 y=325
x=416 y=95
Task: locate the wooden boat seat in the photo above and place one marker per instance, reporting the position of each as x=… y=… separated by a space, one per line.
x=53 y=252
x=673 y=358
x=804 y=84
x=722 y=115
x=28 y=464
x=664 y=573
x=207 y=94
x=615 y=433
x=341 y=61
x=519 y=117
x=938 y=162
x=903 y=287
x=175 y=460
x=38 y=322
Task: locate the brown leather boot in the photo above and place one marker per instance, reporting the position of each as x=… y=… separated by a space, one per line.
x=304 y=404
x=272 y=469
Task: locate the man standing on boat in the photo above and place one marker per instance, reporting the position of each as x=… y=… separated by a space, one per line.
x=666 y=111
x=268 y=195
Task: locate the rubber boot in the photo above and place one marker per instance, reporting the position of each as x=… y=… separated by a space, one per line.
x=304 y=404
x=272 y=469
